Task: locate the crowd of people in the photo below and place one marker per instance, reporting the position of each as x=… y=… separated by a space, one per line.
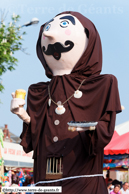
x=16 y=185
x=26 y=179
x=112 y=189
x=118 y=188
x=17 y=178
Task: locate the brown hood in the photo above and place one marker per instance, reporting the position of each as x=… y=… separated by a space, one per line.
x=91 y=61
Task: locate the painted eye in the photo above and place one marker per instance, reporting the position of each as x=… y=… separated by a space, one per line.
x=64 y=24
x=47 y=27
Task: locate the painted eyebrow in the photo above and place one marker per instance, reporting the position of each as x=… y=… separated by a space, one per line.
x=71 y=18
x=48 y=22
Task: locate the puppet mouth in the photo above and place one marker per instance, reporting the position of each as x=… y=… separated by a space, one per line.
x=56 y=55
x=57 y=48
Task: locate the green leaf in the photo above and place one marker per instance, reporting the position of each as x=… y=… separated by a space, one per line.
x=12 y=33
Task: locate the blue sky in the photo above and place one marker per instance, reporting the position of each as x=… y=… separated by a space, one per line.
x=111 y=20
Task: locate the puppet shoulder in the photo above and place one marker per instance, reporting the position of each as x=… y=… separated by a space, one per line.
x=37 y=91
x=38 y=87
x=111 y=79
x=113 y=103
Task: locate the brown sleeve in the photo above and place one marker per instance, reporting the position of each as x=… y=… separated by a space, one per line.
x=95 y=141
x=26 y=138
x=104 y=132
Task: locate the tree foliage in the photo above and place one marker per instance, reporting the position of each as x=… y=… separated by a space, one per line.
x=10 y=42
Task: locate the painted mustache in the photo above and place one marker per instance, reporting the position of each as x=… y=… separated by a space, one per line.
x=57 y=48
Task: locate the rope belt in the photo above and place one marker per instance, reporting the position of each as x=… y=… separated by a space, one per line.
x=67 y=178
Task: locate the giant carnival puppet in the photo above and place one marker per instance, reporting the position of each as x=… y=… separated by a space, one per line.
x=71 y=118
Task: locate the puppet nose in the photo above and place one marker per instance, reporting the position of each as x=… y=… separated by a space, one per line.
x=50 y=34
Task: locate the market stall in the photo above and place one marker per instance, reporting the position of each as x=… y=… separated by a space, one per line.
x=116 y=153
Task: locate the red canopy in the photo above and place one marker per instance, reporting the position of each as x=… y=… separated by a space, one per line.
x=120 y=141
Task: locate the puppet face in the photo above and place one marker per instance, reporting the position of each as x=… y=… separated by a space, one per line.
x=63 y=42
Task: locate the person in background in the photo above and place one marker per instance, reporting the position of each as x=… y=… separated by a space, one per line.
x=0 y=187
x=110 y=180
x=116 y=190
x=109 y=187
x=15 y=185
x=20 y=184
x=7 y=184
x=107 y=178
x=124 y=189
x=31 y=184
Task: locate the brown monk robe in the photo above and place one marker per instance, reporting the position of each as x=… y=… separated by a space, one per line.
x=81 y=152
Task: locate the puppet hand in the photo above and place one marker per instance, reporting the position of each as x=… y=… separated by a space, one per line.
x=17 y=108
x=81 y=128
x=16 y=102
x=22 y=114
x=91 y=128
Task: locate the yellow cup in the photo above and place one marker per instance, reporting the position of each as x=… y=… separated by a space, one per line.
x=20 y=93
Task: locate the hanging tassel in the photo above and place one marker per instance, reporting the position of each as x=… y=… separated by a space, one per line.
x=49 y=102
